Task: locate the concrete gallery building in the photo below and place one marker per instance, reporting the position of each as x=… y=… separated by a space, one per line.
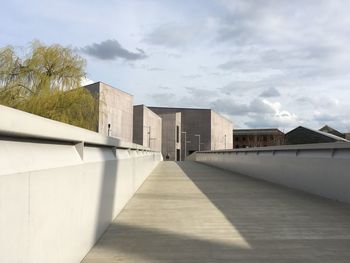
x=199 y=129
x=171 y=136
x=115 y=108
x=243 y=138
x=147 y=128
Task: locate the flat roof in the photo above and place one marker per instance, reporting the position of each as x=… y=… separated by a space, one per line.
x=256 y=131
x=109 y=86
x=199 y=109
x=175 y=108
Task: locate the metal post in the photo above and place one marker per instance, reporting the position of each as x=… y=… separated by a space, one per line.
x=185 y=144
x=199 y=141
x=149 y=136
x=109 y=130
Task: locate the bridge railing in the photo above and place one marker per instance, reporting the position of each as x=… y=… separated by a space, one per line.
x=322 y=169
x=61 y=186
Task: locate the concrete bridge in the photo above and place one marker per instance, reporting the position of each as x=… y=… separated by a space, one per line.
x=68 y=195
x=191 y=212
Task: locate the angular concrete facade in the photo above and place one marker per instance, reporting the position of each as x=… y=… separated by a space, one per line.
x=171 y=136
x=115 y=111
x=204 y=129
x=221 y=132
x=147 y=128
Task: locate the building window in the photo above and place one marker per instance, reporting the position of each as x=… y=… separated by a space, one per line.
x=178 y=134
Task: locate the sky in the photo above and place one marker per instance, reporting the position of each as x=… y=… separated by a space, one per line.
x=261 y=63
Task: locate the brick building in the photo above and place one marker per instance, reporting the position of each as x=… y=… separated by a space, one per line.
x=243 y=138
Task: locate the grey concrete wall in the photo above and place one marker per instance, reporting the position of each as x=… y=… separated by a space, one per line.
x=138 y=129
x=115 y=108
x=61 y=186
x=321 y=169
x=153 y=121
x=169 y=138
x=148 y=129
x=197 y=122
x=193 y=121
x=221 y=132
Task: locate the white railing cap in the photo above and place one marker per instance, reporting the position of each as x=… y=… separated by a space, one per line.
x=16 y=123
x=313 y=146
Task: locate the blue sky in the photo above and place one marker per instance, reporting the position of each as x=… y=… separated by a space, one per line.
x=261 y=63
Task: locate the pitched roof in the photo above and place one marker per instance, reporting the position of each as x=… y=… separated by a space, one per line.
x=326 y=134
x=330 y=130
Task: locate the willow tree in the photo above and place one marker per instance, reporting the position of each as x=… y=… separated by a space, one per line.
x=46 y=82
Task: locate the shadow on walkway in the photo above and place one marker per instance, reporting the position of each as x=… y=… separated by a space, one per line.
x=190 y=212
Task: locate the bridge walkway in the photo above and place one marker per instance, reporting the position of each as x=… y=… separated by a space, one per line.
x=189 y=212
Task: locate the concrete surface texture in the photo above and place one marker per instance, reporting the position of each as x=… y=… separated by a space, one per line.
x=16 y=123
x=116 y=109
x=55 y=206
x=221 y=132
x=321 y=169
x=190 y=212
x=147 y=128
x=61 y=186
x=210 y=126
x=171 y=136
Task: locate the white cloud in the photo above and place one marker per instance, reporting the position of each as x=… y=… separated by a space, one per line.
x=263 y=63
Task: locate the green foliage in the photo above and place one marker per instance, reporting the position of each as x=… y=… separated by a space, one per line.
x=46 y=82
x=43 y=69
x=77 y=107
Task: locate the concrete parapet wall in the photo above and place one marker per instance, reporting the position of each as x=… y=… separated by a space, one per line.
x=322 y=169
x=61 y=186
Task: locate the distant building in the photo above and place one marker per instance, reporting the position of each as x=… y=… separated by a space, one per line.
x=201 y=129
x=115 y=108
x=147 y=128
x=347 y=136
x=330 y=130
x=171 y=136
x=243 y=138
x=303 y=135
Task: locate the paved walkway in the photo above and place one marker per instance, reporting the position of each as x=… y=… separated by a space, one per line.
x=188 y=212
